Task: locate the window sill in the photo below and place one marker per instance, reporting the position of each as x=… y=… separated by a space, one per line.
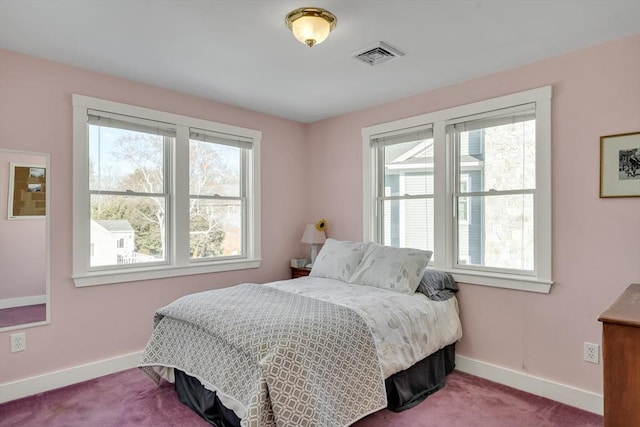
x=121 y=276
x=505 y=281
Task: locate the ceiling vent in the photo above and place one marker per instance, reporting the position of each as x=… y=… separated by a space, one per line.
x=377 y=53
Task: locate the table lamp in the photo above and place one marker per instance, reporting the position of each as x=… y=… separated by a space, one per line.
x=315 y=238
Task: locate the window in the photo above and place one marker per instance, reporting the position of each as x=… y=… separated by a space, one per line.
x=216 y=201
x=494 y=180
x=161 y=195
x=128 y=187
x=472 y=184
x=405 y=188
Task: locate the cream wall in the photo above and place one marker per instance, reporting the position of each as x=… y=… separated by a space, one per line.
x=596 y=242
x=100 y=322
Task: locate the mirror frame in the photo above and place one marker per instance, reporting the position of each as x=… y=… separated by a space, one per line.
x=47 y=263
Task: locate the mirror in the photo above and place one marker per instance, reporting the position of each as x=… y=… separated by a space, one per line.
x=24 y=239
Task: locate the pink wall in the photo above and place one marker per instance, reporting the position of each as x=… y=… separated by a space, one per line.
x=99 y=322
x=22 y=242
x=596 y=243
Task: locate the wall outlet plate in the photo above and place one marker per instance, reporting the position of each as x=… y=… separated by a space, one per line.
x=18 y=342
x=591 y=352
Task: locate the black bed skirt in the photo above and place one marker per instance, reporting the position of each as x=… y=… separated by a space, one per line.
x=405 y=389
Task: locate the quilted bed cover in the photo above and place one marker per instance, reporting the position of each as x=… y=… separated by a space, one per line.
x=274 y=357
x=305 y=352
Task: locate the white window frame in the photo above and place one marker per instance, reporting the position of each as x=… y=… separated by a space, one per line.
x=444 y=209
x=178 y=262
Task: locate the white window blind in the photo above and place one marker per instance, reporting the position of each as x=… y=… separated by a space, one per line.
x=419 y=133
x=136 y=124
x=220 y=138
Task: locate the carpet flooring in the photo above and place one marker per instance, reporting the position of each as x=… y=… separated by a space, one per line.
x=129 y=398
x=21 y=315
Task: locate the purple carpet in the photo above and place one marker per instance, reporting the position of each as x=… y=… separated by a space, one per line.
x=21 y=315
x=129 y=399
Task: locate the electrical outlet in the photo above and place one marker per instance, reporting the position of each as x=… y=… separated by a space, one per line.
x=591 y=352
x=18 y=342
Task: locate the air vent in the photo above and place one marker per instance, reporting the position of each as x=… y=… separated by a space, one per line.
x=377 y=53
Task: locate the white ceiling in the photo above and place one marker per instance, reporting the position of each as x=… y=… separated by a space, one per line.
x=240 y=52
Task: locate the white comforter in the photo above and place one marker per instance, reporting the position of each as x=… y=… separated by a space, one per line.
x=406 y=328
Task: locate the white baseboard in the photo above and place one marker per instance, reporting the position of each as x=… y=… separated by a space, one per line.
x=22 y=301
x=586 y=400
x=52 y=380
x=572 y=396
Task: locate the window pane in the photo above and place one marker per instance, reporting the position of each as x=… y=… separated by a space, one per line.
x=125 y=160
x=214 y=169
x=504 y=155
x=414 y=161
x=498 y=231
x=127 y=230
x=408 y=223
x=216 y=228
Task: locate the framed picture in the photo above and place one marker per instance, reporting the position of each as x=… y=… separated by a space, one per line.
x=27 y=191
x=620 y=165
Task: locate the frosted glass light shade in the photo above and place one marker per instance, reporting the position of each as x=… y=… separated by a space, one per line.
x=311 y=26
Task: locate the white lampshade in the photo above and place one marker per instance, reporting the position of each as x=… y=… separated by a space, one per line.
x=315 y=238
x=312 y=235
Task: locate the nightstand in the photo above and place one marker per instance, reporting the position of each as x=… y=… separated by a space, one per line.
x=299 y=272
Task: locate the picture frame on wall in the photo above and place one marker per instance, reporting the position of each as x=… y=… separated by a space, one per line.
x=27 y=191
x=620 y=165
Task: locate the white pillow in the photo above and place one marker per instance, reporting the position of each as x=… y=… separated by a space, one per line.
x=338 y=259
x=395 y=269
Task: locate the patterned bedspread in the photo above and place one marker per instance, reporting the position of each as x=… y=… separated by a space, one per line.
x=405 y=328
x=274 y=357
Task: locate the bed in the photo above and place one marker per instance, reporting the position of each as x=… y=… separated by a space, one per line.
x=369 y=328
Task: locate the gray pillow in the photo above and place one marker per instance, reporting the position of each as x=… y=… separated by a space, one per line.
x=437 y=285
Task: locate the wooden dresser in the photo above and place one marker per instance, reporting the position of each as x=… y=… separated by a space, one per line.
x=621 y=360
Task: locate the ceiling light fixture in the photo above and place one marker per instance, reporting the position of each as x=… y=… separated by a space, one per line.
x=311 y=25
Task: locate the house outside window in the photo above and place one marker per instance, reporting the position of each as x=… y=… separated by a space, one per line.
x=494 y=179
x=472 y=184
x=161 y=194
x=405 y=188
